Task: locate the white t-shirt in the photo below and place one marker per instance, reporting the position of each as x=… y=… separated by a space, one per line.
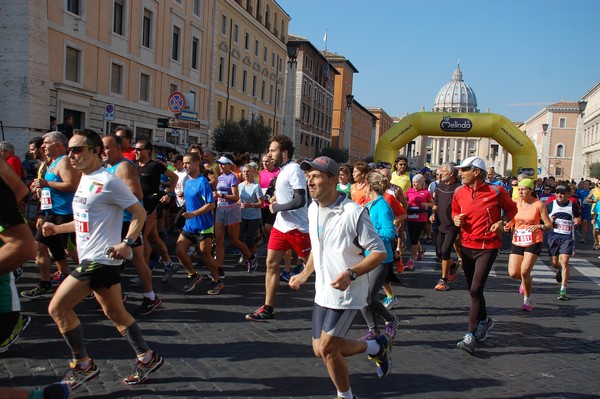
x=289 y=179
x=179 y=187
x=98 y=212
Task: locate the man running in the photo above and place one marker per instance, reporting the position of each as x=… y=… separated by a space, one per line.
x=98 y=208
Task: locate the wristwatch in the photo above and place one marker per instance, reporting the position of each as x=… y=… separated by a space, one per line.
x=128 y=241
x=353 y=274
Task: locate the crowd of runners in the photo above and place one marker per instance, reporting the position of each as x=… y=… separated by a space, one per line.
x=103 y=202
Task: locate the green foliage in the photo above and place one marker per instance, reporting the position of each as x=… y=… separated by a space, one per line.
x=340 y=155
x=242 y=136
x=595 y=170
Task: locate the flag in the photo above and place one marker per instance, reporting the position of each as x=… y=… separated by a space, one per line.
x=325 y=39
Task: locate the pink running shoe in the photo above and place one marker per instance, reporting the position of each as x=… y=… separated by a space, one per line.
x=527 y=306
x=410 y=265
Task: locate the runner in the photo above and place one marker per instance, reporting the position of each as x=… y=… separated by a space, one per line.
x=98 y=208
x=529 y=224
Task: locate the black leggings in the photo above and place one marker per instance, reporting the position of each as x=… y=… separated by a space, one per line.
x=414 y=231
x=477 y=264
x=445 y=242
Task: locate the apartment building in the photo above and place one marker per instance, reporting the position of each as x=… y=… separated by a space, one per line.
x=248 y=62
x=309 y=98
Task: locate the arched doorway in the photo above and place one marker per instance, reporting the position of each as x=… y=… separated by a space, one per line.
x=497 y=127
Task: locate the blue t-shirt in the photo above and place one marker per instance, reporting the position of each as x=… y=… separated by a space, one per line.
x=250 y=193
x=198 y=193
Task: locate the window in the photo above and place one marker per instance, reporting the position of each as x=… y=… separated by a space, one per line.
x=173 y=87
x=233 y=74
x=256 y=47
x=219 y=110
x=244 y=80
x=562 y=123
x=236 y=33
x=271 y=95
x=72 y=64
x=560 y=150
x=175 y=44
x=221 y=68
x=116 y=78
x=558 y=171
x=197 y=8
x=146 y=28
x=243 y=114
x=262 y=90
x=273 y=59
x=145 y=87
x=118 y=17
x=224 y=24
x=143 y=133
x=74 y=7
x=254 y=83
x=195 y=46
x=247 y=41
x=265 y=55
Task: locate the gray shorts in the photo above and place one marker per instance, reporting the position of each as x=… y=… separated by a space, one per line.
x=334 y=322
x=229 y=215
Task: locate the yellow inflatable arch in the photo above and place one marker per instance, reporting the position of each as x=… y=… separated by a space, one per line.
x=499 y=128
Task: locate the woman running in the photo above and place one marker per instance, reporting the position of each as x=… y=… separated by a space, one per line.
x=419 y=199
x=529 y=223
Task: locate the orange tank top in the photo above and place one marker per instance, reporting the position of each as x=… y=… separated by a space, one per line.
x=359 y=195
x=527 y=215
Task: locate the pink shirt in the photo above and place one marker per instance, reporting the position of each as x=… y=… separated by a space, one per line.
x=264 y=179
x=417 y=212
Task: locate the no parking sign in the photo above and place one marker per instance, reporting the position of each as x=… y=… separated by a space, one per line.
x=176 y=102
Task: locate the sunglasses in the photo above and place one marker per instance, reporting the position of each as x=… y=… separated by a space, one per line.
x=402 y=164
x=78 y=149
x=138 y=149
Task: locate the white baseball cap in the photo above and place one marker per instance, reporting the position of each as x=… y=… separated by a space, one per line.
x=472 y=161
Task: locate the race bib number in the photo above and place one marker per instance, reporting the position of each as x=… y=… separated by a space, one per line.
x=562 y=226
x=82 y=224
x=523 y=238
x=46 y=200
x=220 y=200
x=413 y=215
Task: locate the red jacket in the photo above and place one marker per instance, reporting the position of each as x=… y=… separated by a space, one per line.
x=482 y=208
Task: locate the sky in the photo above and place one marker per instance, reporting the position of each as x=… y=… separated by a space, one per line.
x=518 y=56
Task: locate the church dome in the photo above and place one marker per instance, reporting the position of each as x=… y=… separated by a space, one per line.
x=456 y=96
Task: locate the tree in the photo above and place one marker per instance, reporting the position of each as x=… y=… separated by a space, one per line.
x=242 y=136
x=595 y=170
x=340 y=155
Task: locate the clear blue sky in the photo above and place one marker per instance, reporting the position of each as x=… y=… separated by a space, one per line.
x=525 y=52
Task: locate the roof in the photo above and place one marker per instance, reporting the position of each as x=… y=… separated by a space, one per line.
x=300 y=39
x=335 y=57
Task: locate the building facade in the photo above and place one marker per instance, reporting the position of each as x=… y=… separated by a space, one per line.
x=248 y=62
x=383 y=123
x=591 y=130
x=554 y=130
x=309 y=98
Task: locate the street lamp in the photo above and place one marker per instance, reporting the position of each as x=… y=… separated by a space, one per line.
x=349 y=100
x=582 y=105
x=292 y=52
x=545 y=128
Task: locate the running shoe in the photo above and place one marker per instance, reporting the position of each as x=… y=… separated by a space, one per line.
x=75 y=375
x=169 y=272
x=18 y=273
x=215 y=287
x=242 y=260
x=383 y=359
x=261 y=314
x=22 y=323
x=252 y=264
x=285 y=276
x=596 y=246
x=468 y=343
x=562 y=295
x=369 y=335
x=39 y=292
x=140 y=371
x=58 y=278
x=460 y=265
x=192 y=282
x=442 y=285
x=391 y=327
x=453 y=271
x=420 y=254
x=410 y=265
x=527 y=306
x=148 y=306
x=389 y=303
x=221 y=272
x=558 y=276
x=135 y=281
x=483 y=328
x=521 y=290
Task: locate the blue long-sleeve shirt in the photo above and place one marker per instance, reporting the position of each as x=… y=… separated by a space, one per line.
x=382 y=216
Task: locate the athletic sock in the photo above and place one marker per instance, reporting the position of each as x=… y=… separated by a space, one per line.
x=150 y=295
x=345 y=395
x=373 y=347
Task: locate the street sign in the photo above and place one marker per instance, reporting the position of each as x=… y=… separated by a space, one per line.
x=183 y=124
x=188 y=115
x=162 y=122
x=176 y=102
x=109 y=112
x=175 y=133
